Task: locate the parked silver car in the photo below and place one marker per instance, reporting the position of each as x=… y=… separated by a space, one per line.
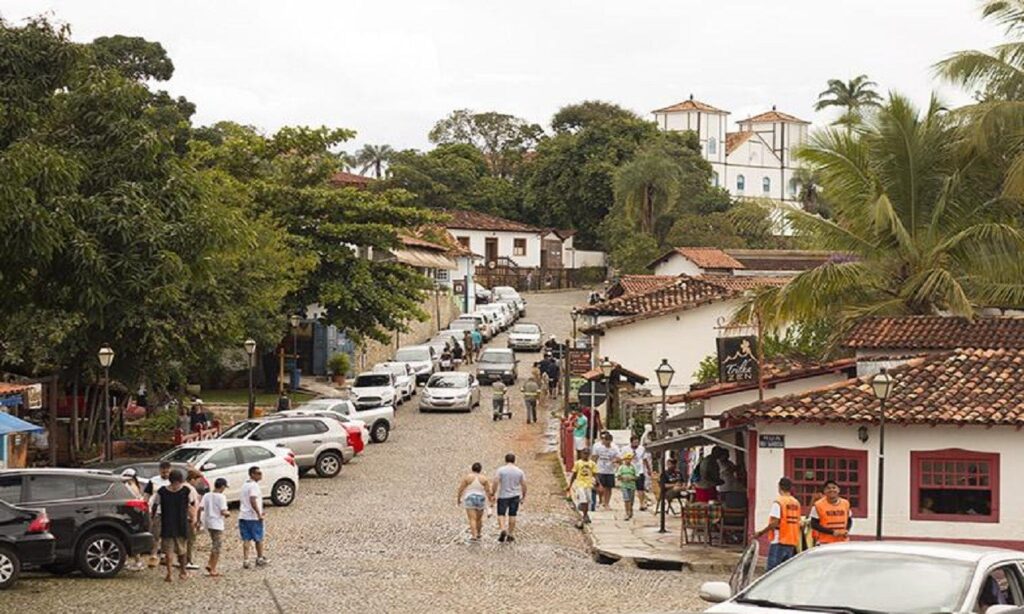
x=526 y=336
x=450 y=390
x=318 y=443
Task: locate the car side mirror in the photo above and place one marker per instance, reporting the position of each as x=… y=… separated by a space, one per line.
x=209 y=466
x=715 y=592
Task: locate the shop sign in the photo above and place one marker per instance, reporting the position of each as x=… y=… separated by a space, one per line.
x=737 y=359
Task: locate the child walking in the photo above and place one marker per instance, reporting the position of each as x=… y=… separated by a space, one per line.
x=626 y=474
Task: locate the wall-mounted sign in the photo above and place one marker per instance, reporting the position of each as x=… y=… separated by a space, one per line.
x=737 y=359
x=579 y=361
x=771 y=441
x=34 y=396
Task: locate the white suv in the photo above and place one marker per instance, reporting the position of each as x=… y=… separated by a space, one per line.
x=232 y=458
x=371 y=390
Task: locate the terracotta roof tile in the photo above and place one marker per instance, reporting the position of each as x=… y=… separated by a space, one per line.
x=685 y=293
x=973 y=386
x=639 y=284
x=474 y=220
x=773 y=116
x=704 y=257
x=344 y=179
x=936 y=333
x=783 y=259
x=6 y=388
x=735 y=139
x=690 y=105
x=776 y=370
x=742 y=283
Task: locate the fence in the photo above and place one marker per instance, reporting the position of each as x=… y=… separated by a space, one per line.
x=524 y=279
x=181 y=436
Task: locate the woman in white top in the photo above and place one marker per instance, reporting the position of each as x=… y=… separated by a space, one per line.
x=131 y=480
x=472 y=495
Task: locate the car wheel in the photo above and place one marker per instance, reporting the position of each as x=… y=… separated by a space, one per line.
x=328 y=464
x=101 y=555
x=380 y=431
x=10 y=567
x=283 y=493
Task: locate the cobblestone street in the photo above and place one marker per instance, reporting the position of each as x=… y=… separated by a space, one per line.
x=386 y=535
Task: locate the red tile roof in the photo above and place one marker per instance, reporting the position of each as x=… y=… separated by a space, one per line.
x=704 y=257
x=773 y=116
x=735 y=139
x=776 y=371
x=633 y=377
x=685 y=293
x=639 y=284
x=690 y=105
x=936 y=333
x=6 y=388
x=742 y=283
x=783 y=259
x=474 y=220
x=344 y=179
x=964 y=387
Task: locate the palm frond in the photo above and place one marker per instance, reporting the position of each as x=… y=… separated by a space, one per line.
x=936 y=288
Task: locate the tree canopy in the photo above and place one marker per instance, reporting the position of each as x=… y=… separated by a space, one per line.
x=503 y=139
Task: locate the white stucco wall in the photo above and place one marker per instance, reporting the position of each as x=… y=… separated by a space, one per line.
x=506 y=242
x=899 y=443
x=714 y=406
x=677 y=264
x=684 y=338
x=582 y=258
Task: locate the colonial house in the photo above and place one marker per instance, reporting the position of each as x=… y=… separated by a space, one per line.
x=694 y=261
x=677 y=321
x=755 y=161
x=738 y=262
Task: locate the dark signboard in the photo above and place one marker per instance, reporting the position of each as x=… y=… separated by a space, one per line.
x=771 y=441
x=737 y=359
x=579 y=361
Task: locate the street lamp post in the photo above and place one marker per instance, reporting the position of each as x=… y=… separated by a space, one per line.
x=106 y=357
x=664 y=373
x=607 y=367
x=575 y=315
x=295 y=320
x=250 y=350
x=882 y=386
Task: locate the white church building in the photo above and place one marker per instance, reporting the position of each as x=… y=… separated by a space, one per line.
x=754 y=162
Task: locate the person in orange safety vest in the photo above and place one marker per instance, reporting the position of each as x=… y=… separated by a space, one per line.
x=830 y=516
x=783 y=526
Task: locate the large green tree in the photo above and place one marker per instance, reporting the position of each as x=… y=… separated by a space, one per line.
x=503 y=139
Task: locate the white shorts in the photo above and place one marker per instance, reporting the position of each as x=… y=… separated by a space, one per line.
x=579 y=442
x=580 y=495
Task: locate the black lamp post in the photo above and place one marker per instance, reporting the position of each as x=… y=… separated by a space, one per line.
x=664 y=373
x=882 y=385
x=575 y=315
x=250 y=350
x=106 y=356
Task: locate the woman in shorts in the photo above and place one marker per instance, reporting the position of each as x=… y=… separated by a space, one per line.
x=472 y=495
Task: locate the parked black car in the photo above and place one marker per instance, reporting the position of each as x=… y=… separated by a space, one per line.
x=25 y=539
x=95 y=519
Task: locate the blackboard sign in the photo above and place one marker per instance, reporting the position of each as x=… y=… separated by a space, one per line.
x=771 y=441
x=737 y=359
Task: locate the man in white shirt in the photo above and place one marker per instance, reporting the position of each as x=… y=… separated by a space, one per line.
x=214 y=508
x=606 y=453
x=509 y=487
x=250 y=518
x=642 y=464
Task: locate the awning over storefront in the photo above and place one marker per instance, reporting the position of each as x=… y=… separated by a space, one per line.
x=12 y=424
x=719 y=436
x=422 y=258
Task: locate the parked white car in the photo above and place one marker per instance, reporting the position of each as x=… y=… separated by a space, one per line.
x=483 y=322
x=501 y=314
x=405 y=380
x=380 y=419
x=373 y=390
x=318 y=443
x=457 y=335
x=450 y=390
x=509 y=294
x=421 y=359
x=526 y=336
x=889 y=576
x=231 y=459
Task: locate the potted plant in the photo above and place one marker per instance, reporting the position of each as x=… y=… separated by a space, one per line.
x=339 y=365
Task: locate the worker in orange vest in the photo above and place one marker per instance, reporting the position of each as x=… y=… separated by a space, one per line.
x=783 y=526
x=830 y=516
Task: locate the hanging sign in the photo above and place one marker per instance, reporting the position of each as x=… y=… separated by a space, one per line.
x=737 y=359
x=34 y=396
x=579 y=361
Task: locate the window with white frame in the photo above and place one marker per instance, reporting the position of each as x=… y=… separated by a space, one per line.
x=712 y=146
x=741 y=183
x=766 y=185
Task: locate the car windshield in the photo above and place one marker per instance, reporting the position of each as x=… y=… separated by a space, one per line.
x=901 y=583
x=372 y=381
x=184 y=455
x=497 y=356
x=526 y=329
x=449 y=380
x=412 y=355
x=240 y=430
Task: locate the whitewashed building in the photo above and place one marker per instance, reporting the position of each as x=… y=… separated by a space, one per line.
x=754 y=161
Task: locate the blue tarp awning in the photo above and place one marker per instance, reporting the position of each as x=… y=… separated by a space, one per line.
x=12 y=424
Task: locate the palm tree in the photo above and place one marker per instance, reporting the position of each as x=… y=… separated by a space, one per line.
x=853 y=96
x=375 y=157
x=646 y=187
x=348 y=161
x=923 y=229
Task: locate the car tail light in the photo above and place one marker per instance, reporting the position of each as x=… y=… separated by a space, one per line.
x=290 y=459
x=39 y=524
x=137 y=504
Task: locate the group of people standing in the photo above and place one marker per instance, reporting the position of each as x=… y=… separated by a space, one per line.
x=178 y=513
x=506 y=492
x=598 y=470
x=830 y=521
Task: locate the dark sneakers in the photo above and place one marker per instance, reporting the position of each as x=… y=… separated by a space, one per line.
x=502 y=537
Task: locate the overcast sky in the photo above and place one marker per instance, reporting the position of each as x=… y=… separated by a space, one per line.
x=389 y=69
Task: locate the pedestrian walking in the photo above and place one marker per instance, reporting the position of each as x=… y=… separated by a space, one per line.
x=626 y=475
x=192 y=482
x=531 y=392
x=176 y=514
x=830 y=516
x=250 y=518
x=642 y=464
x=509 y=488
x=131 y=480
x=155 y=483
x=580 y=427
x=554 y=376
x=498 y=399
x=474 y=492
x=606 y=454
x=214 y=511
x=538 y=377
x=581 y=484
x=467 y=343
x=783 y=526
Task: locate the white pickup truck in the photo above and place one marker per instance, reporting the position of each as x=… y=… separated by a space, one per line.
x=380 y=420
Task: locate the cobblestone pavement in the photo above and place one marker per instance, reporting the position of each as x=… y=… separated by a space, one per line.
x=386 y=536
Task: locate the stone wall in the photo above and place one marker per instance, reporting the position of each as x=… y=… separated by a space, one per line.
x=372 y=352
